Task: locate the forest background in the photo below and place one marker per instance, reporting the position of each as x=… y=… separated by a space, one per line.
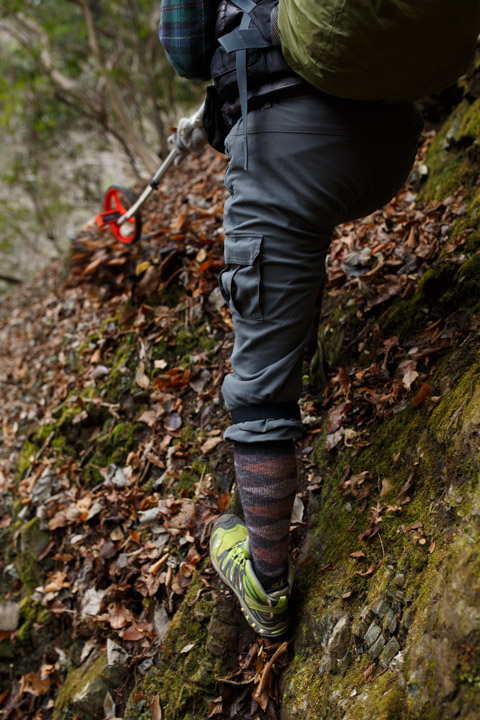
x=86 y=97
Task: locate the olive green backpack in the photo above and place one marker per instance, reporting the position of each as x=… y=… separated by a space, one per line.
x=379 y=49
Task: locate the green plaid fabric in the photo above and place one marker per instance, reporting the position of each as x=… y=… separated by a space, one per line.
x=187 y=33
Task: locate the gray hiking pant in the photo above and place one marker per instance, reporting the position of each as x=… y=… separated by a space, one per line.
x=313 y=162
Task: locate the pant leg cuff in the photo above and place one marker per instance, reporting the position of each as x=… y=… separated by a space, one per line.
x=264 y=430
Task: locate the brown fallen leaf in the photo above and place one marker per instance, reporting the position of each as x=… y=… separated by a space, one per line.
x=345 y=474
x=412 y=241
x=369 y=673
x=56 y=581
x=141 y=267
x=250 y=656
x=223 y=501
x=210 y=444
x=96 y=357
x=403 y=498
x=131 y=633
x=371 y=531
x=118 y=616
x=32 y=683
x=215 y=707
x=59 y=520
x=431 y=549
x=425 y=391
x=373 y=567
x=179 y=223
x=344 y=380
x=410 y=374
x=386 y=487
x=154 y=569
x=358 y=554
x=93 y=266
x=150 y=417
x=140 y=376
x=186 y=649
x=260 y=694
x=414 y=526
x=174 y=378
x=155 y=708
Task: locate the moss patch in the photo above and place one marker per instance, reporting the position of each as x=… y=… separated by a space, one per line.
x=33 y=541
x=184 y=682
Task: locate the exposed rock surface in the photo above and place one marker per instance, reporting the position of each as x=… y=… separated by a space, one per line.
x=415 y=641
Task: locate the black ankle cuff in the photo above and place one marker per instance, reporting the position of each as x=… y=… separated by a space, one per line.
x=271 y=447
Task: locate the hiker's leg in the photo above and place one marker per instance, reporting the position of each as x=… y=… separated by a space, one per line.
x=312 y=165
x=267 y=480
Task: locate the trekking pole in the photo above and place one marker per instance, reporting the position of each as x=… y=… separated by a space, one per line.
x=121 y=210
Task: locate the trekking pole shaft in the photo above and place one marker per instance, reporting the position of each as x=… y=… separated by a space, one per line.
x=150 y=188
x=196 y=120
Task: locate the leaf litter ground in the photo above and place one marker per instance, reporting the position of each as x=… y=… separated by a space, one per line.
x=112 y=418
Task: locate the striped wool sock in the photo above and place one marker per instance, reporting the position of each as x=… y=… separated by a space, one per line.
x=267 y=480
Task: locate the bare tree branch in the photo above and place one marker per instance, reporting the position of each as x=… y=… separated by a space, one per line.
x=121 y=111
x=30 y=34
x=10 y=279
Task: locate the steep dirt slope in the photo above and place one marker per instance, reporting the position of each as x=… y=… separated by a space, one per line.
x=112 y=470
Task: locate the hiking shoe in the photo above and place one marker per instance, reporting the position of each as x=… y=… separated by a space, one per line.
x=265 y=612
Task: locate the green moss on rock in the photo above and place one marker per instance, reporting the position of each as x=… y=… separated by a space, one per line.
x=184 y=682
x=113 y=448
x=33 y=541
x=83 y=694
x=31 y=612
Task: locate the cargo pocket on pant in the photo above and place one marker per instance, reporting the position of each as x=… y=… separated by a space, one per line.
x=240 y=278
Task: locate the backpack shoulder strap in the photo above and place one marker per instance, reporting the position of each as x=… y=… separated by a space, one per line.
x=239 y=41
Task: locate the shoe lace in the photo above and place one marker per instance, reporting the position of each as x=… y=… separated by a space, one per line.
x=238 y=552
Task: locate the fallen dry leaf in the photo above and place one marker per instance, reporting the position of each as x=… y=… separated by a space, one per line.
x=155 y=708
x=132 y=633
x=358 y=554
x=210 y=444
x=187 y=648
x=373 y=567
x=140 y=376
x=425 y=391
x=386 y=487
x=414 y=526
x=369 y=673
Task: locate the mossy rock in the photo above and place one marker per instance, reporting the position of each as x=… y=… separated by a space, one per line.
x=33 y=541
x=423 y=599
x=83 y=694
x=32 y=617
x=113 y=448
x=184 y=682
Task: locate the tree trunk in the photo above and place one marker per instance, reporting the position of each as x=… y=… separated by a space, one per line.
x=121 y=112
x=149 y=81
